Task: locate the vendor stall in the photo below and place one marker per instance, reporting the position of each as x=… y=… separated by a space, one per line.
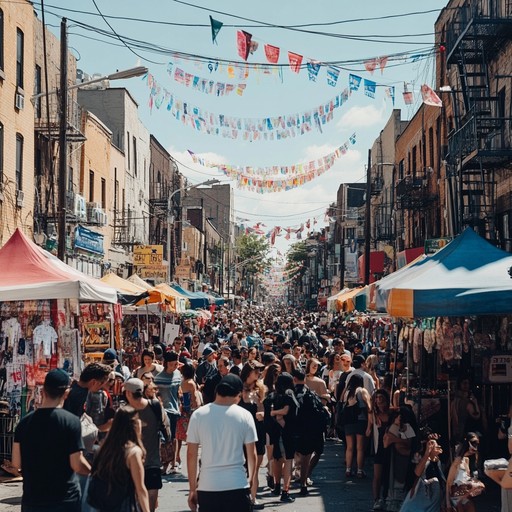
x=42 y=321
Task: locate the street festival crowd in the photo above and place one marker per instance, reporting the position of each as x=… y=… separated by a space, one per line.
x=252 y=388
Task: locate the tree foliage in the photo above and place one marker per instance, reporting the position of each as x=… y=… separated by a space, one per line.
x=252 y=252
x=297 y=254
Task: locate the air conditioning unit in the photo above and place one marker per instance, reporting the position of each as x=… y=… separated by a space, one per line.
x=19 y=101
x=80 y=208
x=101 y=217
x=141 y=196
x=92 y=209
x=20 y=198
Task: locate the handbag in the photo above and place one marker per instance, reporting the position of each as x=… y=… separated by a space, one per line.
x=166 y=453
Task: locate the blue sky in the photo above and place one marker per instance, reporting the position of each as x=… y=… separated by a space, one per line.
x=264 y=95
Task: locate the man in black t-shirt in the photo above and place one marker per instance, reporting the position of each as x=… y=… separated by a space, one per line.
x=48 y=451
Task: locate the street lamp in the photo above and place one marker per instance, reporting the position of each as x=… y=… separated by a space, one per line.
x=170 y=218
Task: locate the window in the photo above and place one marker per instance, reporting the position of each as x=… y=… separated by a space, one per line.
x=128 y=149
x=1 y=39
x=37 y=90
x=91 y=185
x=20 y=44
x=414 y=149
x=401 y=170
x=19 y=161
x=103 y=193
x=431 y=147
x=134 y=155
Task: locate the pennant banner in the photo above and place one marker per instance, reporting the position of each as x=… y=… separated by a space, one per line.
x=370 y=88
x=295 y=61
x=257 y=182
x=216 y=26
x=243 y=43
x=251 y=129
x=272 y=53
x=430 y=97
x=203 y=84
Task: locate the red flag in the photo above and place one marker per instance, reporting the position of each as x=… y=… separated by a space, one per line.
x=370 y=65
x=382 y=63
x=243 y=41
x=308 y=224
x=272 y=53
x=295 y=61
x=430 y=97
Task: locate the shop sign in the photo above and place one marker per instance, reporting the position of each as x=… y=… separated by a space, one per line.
x=88 y=240
x=432 y=245
x=156 y=272
x=148 y=255
x=500 y=369
x=182 y=272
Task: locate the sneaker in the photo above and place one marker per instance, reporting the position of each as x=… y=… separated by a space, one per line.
x=309 y=482
x=258 y=506
x=378 y=505
x=361 y=474
x=276 y=491
x=348 y=473
x=304 y=491
x=270 y=481
x=286 y=498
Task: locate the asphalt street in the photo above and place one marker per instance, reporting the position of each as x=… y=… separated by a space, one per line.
x=331 y=491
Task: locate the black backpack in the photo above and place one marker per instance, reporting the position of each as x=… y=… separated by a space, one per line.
x=312 y=412
x=104 y=496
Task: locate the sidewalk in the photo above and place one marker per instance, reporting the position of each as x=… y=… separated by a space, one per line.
x=331 y=491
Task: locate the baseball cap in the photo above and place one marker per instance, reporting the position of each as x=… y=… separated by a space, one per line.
x=56 y=379
x=134 y=385
x=109 y=355
x=230 y=385
x=358 y=361
x=268 y=341
x=208 y=351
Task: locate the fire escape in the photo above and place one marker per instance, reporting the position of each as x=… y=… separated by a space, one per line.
x=478 y=145
x=46 y=126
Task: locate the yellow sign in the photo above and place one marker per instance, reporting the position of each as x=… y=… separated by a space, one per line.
x=182 y=272
x=156 y=272
x=148 y=255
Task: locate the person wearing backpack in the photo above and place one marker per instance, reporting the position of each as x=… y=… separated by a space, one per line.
x=117 y=477
x=153 y=418
x=311 y=421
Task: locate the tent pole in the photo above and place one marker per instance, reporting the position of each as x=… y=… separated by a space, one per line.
x=147 y=323
x=449 y=416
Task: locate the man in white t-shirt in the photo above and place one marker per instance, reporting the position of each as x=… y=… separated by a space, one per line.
x=222 y=428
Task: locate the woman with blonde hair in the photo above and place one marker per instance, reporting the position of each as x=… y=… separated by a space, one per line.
x=372 y=362
x=117 y=475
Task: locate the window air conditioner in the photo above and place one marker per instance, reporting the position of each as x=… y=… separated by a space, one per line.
x=19 y=101
x=20 y=197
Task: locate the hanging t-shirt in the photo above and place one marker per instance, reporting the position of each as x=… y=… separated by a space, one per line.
x=11 y=329
x=45 y=334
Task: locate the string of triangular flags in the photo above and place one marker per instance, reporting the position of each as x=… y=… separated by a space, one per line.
x=298 y=174
x=251 y=129
x=247 y=45
x=276 y=231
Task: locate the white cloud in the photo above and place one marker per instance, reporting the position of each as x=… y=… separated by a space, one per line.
x=359 y=117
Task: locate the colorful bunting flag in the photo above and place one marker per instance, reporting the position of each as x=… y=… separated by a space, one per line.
x=332 y=75
x=295 y=61
x=382 y=63
x=370 y=65
x=390 y=93
x=313 y=69
x=354 y=82
x=243 y=40
x=369 y=88
x=430 y=97
x=216 y=26
x=272 y=53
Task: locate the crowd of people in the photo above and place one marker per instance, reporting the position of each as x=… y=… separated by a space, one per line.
x=250 y=386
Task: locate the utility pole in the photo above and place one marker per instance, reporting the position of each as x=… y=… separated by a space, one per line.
x=63 y=141
x=367 y=222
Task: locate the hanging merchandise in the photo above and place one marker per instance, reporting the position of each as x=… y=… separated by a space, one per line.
x=256 y=180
